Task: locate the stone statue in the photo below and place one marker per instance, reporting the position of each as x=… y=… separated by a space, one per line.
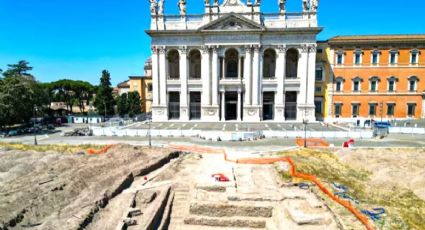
x=161 y=6
x=257 y=2
x=281 y=4
x=207 y=2
x=314 y=4
x=153 y=6
x=182 y=7
x=215 y=2
x=305 y=5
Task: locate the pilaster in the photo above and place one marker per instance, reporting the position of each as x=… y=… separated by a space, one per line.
x=280 y=76
x=184 y=114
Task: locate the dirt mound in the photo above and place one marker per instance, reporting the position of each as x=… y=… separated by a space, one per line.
x=54 y=190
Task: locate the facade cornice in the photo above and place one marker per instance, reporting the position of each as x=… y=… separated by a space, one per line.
x=289 y=31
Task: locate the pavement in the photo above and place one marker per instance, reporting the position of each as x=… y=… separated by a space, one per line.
x=268 y=144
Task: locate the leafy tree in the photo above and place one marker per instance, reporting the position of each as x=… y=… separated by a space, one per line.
x=122 y=104
x=104 y=101
x=71 y=92
x=134 y=104
x=20 y=69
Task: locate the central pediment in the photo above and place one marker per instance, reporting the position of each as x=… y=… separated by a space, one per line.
x=232 y=22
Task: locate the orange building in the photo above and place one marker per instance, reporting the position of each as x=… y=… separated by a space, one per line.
x=376 y=77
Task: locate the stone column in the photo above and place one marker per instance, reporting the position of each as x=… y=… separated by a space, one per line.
x=306 y=92
x=184 y=112
x=239 y=106
x=256 y=76
x=239 y=67
x=155 y=76
x=311 y=78
x=247 y=75
x=215 y=71
x=280 y=77
x=223 y=105
x=223 y=68
x=206 y=81
x=163 y=77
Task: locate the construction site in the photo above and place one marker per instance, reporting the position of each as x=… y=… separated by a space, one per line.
x=199 y=187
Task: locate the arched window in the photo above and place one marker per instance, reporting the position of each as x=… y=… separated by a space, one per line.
x=392 y=84
x=231 y=60
x=173 y=64
x=358 y=57
x=269 y=64
x=340 y=57
x=292 y=63
x=375 y=56
x=357 y=84
x=393 y=57
x=195 y=64
x=339 y=84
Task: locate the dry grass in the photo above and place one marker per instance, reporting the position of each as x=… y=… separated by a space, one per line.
x=404 y=209
x=67 y=149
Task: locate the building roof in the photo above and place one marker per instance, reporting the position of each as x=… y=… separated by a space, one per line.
x=418 y=39
x=124 y=84
x=139 y=77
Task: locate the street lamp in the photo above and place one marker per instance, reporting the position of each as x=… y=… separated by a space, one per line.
x=305 y=122
x=149 y=133
x=35 y=131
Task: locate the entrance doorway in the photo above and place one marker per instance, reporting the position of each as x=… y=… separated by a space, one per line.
x=291 y=106
x=195 y=106
x=231 y=100
x=268 y=106
x=173 y=105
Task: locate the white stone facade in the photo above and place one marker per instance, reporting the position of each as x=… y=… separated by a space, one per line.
x=234 y=63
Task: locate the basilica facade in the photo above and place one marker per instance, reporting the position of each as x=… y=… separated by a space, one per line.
x=234 y=63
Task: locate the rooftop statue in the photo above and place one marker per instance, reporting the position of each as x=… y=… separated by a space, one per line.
x=161 y=6
x=257 y=2
x=281 y=4
x=216 y=2
x=314 y=4
x=153 y=7
x=182 y=7
x=207 y=2
x=305 y=5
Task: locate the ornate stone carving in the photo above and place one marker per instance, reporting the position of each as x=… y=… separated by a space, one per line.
x=183 y=49
x=215 y=2
x=207 y=2
x=305 y=5
x=282 y=48
x=154 y=50
x=182 y=7
x=257 y=48
x=210 y=112
x=312 y=48
x=252 y=112
x=153 y=7
x=205 y=49
x=257 y=2
x=162 y=50
x=214 y=49
x=304 y=48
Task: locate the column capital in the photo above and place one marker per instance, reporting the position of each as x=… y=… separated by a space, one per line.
x=282 y=48
x=312 y=48
x=183 y=49
x=214 y=48
x=257 y=48
x=154 y=49
x=304 y=48
x=204 y=49
x=162 y=50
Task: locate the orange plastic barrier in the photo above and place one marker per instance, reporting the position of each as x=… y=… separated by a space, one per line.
x=99 y=151
x=313 y=142
x=293 y=171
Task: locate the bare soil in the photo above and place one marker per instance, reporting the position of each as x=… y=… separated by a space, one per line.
x=53 y=190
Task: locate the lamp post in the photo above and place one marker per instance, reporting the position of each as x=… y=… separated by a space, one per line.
x=305 y=122
x=149 y=133
x=35 y=131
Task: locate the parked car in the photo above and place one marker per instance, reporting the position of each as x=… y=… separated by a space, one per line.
x=12 y=133
x=2 y=134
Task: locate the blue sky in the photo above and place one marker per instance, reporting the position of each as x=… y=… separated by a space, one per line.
x=77 y=39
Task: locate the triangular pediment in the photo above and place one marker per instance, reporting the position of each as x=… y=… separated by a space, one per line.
x=232 y=22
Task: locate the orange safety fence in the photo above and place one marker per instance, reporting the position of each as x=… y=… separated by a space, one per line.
x=99 y=151
x=312 y=142
x=293 y=171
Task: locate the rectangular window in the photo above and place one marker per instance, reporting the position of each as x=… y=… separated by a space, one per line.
x=411 y=110
x=356 y=86
x=414 y=58
x=174 y=105
x=390 y=109
x=357 y=58
x=393 y=56
x=149 y=87
x=339 y=59
x=319 y=74
x=338 y=86
x=318 y=89
x=355 y=110
x=391 y=86
x=374 y=58
x=338 y=109
x=318 y=107
x=372 y=109
x=373 y=87
x=412 y=85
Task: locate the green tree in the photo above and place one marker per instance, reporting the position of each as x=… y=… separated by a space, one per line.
x=122 y=104
x=20 y=69
x=104 y=101
x=134 y=104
